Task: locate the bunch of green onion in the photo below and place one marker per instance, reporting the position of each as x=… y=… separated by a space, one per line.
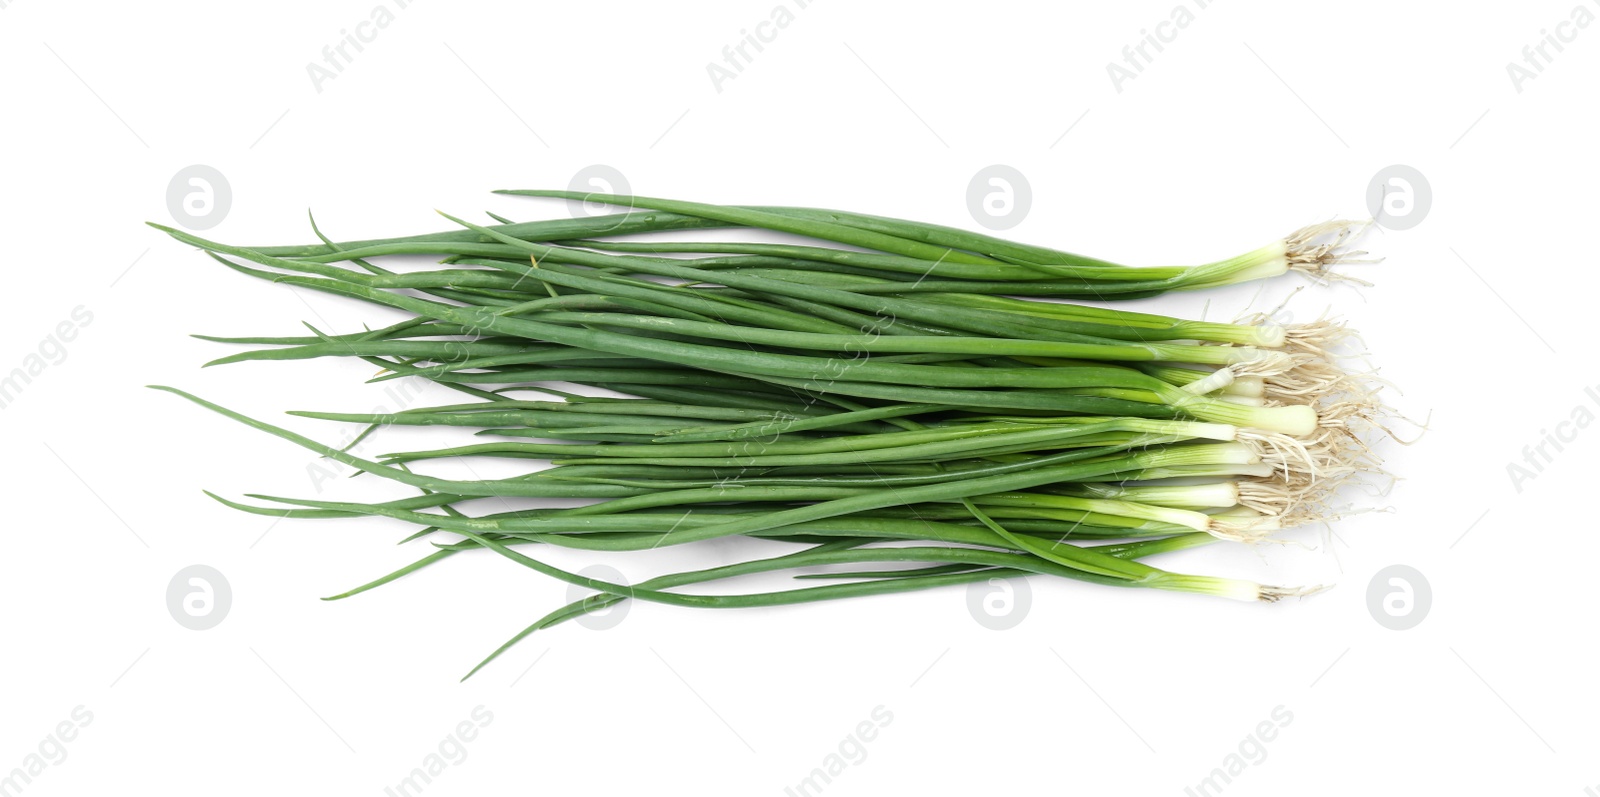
x=900 y=405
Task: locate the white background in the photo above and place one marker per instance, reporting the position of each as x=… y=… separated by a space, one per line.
x=1258 y=118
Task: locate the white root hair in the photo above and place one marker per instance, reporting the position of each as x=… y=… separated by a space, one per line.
x=1266 y=363
x=1274 y=594
x=1316 y=249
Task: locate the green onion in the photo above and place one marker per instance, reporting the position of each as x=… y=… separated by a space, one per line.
x=893 y=407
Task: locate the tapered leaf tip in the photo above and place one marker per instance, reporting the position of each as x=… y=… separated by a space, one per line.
x=462 y=222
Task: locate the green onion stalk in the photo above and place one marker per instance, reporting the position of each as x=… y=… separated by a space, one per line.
x=890 y=396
